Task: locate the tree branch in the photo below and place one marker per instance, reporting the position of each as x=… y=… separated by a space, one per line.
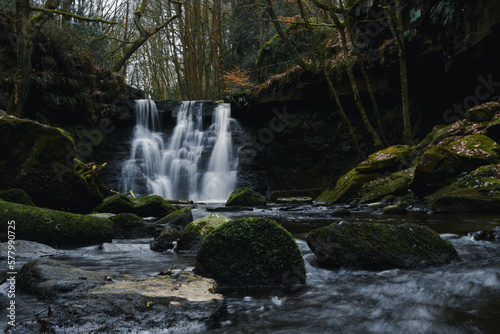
x=79 y=17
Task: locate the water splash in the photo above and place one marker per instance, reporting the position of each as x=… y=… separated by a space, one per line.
x=175 y=168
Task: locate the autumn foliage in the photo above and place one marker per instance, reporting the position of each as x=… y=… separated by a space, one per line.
x=238 y=81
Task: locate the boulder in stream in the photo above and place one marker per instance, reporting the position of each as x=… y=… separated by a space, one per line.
x=27 y=250
x=148 y=206
x=379 y=246
x=251 y=252
x=180 y=303
x=245 y=197
x=50 y=280
x=195 y=231
x=131 y=226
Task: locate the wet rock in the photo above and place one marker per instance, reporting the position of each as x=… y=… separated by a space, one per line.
x=394 y=209
x=167 y=238
x=195 y=231
x=379 y=246
x=27 y=250
x=148 y=206
x=474 y=192
x=131 y=226
x=251 y=252
x=179 y=218
x=313 y=193
x=18 y=196
x=174 y=303
x=50 y=280
x=294 y=200
x=52 y=227
x=492 y=235
x=341 y=212
x=466 y=201
x=245 y=197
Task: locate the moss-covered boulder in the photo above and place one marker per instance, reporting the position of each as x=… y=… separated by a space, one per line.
x=347 y=187
x=148 y=206
x=379 y=246
x=251 y=252
x=474 y=192
x=434 y=168
x=131 y=226
x=391 y=159
x=195 y=231
x=16 y=196
x=483 y=112
x=179 y=218
x=39 y=159
x=245 y=197
x=294 y=200
x=475 y=150
x=396 y=184
x=55 y=228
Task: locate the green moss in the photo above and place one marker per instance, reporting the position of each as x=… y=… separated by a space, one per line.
x=379 y=246
x=389 y=159
x=179 y=218
x=347 y=187
x=16 y=196
x=476 y=150
x=251 y=252
x=148 y=206
x=245 y=197
x=196 y=230
x=55 y=228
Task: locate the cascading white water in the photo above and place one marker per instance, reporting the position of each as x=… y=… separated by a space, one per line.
x=173 y=168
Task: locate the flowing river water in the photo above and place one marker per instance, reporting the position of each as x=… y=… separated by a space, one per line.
x=462 y=297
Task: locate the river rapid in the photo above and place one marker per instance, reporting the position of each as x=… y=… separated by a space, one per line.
x=462 y=297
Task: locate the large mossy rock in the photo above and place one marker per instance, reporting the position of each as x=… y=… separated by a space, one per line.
x=131 y=226
x=195 y=231
x=475 y=150
x=379 y=246
x=39 y=159
x=52 y=280
x=391 y=159
x=474 y=192
x=434 y=168
x=245 y=197
x=483 y=112
x=251 y=252
x=179 y=303
x=179 y=218
x=347 y=187
x=395 y=184
x=55 y=228
x=148 y=206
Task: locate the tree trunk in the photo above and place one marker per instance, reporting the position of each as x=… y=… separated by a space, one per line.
x=19 y=97
x=377 y=142
x=405 y=99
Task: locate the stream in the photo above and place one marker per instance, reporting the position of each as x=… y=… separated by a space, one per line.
x=462 y=297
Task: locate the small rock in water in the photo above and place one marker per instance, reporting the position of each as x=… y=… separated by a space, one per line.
x=27 y=249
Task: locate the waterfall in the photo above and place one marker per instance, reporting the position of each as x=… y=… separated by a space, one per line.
x=190 y=164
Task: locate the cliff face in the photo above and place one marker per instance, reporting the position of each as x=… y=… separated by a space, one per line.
x=452 y=66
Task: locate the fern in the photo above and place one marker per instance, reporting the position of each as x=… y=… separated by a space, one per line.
x=448 y=13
